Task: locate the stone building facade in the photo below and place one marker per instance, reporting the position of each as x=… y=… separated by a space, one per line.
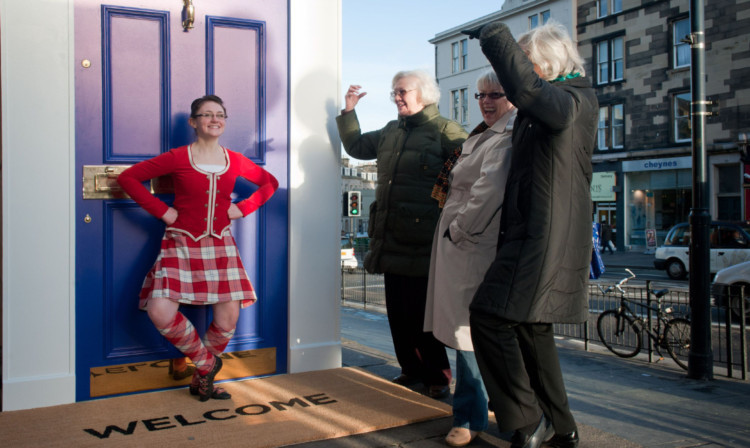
x=641 y=68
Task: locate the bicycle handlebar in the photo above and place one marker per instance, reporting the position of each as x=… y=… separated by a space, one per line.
x=658 y=293
x=625 y=280
x=619 y=284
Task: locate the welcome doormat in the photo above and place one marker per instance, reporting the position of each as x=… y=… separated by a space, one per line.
x=144 y=376
x=264 y=412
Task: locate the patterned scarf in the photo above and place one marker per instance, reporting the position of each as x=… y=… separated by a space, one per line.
x=442 y=185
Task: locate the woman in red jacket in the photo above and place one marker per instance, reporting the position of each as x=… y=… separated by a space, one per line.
x=199 y=263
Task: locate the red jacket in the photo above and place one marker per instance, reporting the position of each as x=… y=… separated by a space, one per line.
x=202 y=199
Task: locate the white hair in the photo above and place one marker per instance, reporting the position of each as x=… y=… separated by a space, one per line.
x=426 y=86
x=551 y=48
x=488 y=80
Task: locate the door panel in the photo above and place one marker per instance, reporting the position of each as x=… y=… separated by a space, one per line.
x=138 y=71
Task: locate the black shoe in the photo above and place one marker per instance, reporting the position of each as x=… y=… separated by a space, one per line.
x=438 y=391
x=206 y=382
x=569 y=440
x=405 y=380
x=533 y=440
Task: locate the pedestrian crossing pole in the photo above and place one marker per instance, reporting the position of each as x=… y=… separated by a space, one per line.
x=700 y=357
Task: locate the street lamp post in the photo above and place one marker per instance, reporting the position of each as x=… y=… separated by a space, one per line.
x=700 y=356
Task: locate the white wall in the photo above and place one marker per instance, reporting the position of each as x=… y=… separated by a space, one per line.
x=37 y=203
x=314 y=185
x=38 y=197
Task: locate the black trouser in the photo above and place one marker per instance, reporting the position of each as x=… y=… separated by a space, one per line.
x=419 y=353
x=521 y=372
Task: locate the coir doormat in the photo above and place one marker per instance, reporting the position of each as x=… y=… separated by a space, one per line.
x=264 y=412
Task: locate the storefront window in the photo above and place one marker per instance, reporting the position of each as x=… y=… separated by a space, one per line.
x=728 y=199
x=656 y=200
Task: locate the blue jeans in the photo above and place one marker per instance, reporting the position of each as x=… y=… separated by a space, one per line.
x=470 y=396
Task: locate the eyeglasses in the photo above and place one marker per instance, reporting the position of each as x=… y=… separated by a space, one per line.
x=491 y=95
x=400 y=93
x=219 y=116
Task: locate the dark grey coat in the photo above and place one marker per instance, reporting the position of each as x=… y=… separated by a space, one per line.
x=410 y=153
x=540 y=273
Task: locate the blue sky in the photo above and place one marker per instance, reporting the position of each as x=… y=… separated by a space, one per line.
x=382 y=37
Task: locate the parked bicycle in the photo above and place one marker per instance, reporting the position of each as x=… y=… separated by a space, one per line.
x=621 y=329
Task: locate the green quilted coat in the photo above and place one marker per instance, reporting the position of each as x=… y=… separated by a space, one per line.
x=410 y=153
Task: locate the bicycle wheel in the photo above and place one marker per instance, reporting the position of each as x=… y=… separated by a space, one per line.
x=677 y=340
x=619 y=333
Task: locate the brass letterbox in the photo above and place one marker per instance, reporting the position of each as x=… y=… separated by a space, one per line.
x=100 y=182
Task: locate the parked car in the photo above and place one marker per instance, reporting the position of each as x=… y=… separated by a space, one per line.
x=732 y=284
x=348 y=259
x=730 y=245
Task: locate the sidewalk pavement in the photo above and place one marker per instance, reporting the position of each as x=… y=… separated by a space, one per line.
x=617 y=402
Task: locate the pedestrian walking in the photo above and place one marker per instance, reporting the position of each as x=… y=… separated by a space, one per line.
x=606 y=237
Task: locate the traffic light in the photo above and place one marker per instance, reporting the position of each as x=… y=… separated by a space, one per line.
x=352 y=203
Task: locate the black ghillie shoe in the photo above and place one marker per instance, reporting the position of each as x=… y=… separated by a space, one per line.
x=205 y=389
x=219 y=393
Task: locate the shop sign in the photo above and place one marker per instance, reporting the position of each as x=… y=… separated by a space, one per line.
x=670 y=163
x=603 y=187
x=651 y=238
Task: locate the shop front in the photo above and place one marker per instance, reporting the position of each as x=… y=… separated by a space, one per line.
x=603 y=195
x=658 y=195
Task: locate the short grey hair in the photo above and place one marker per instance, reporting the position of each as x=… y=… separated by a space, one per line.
x=488 y=80
x=551 y=48
x=427 y=87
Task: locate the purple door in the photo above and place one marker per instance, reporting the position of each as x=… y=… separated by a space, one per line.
x=137 y=72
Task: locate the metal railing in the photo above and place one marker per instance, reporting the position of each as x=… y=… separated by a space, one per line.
x=728 y=331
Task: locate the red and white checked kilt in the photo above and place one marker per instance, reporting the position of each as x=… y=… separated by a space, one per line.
x=200 y=272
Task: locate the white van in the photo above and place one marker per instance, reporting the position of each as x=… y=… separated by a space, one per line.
x=730 y=245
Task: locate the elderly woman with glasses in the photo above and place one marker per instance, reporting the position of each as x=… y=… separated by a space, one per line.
x=540 y=273
x=410 y=152
x=470 y=192
x=199 y=263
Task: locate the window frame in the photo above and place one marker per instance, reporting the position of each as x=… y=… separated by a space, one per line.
x=455 y=104
x=608 y=62
x=545 y=16
x=610 y=126
x=677 y=44
x=464 y=58
x=728 y=191
x=459 y=55
x=454 y=57
x=460 y=104
x=615 y=6
x=538 y=19
x=677 y=119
